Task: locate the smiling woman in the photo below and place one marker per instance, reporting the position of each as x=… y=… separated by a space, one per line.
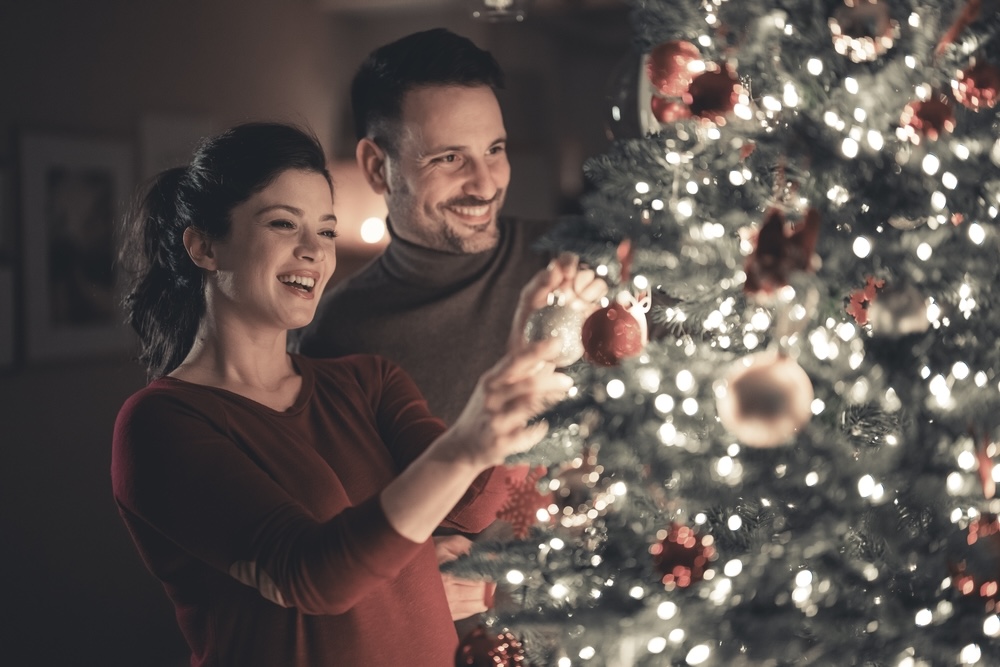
x=285 y=503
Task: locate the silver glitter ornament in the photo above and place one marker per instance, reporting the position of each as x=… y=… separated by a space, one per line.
x=558 y=320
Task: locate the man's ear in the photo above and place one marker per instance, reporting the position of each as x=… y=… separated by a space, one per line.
x=199 y=249
x=372 y=161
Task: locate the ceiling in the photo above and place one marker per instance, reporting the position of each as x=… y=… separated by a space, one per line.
x=545 y=7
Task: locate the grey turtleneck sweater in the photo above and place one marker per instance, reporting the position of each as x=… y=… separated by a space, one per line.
x=443 y=317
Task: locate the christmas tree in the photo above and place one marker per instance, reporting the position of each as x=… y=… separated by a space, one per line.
x=779 y=451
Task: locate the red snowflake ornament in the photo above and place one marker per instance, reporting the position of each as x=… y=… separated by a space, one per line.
x=860 y=299
x=523 y=502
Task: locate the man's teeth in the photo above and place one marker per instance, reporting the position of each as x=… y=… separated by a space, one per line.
x=298 y=281
x=472 y=211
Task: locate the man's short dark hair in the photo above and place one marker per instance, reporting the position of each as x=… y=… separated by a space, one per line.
x=435 y=57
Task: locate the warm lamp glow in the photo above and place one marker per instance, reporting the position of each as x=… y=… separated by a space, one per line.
x=360 y=211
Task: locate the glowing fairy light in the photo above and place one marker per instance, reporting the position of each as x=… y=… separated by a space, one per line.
x=724 y=466
x=691 y=187
x=911 y=62
x=642 y=187
x=698 y=654
x=750 y=341
x=685 y=208
x=666 y=610
x=677 y=635
x=875 y=139
x=637 y=592
x=817 y=406
x=838 y=194
x=664 y=403
x=862 y=247
x=790 y=95
x=733 y=567
x=924 y=251
x=812 y=479
x=685 y=380
x=966 y=460
x=938 y=201
x=515 y=577
x=616 y=388
x=991 y=626
x=924 y=617
x=832 y=119
x=601 y=270
x=770 y=103
x=930 y=164
x=760 y=320
x=970 y=654
x=851 y=85
x=690 y=406
x=673 y=157
x=976 y=233
x=373 y=230
x=736 y=177
x=587 y=652
x=734 y=523
x=667 y=433
x=914 y=20
x=960 y=370
x=814 y=66
x=949 y=180
x=656 y=645
x=849 y=147
x=559 y=591
x=656 y=204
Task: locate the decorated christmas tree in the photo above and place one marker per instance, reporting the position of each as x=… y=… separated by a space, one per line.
x=779 y=450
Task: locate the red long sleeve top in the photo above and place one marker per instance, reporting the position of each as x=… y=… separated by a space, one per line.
x=266 y=529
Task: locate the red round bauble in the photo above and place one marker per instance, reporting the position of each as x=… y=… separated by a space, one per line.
x=974 y=560
x=682 y=556
x=610 y=335
x=669 y=111
x=930 y=119
x=714 y=93
x=976 y=87
x=766 y=400
x=863 y=29
x=668 y=67
x=487 y=648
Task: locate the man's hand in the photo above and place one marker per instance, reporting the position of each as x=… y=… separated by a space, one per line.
x=565 y=275
x=465 y=596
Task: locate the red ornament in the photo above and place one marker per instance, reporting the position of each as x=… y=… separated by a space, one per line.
x=612 y=334
x=682 y=556
x=974 y=560
x=976 y=87
x=767 y=399
x=520 y=509
x=669 y=67
x=780 y=251
x=863 y=29
x=486 y=648
x=929 y=119
x=714 y=93
x=668 y=111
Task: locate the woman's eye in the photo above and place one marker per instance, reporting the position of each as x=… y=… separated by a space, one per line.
x=283 y=224
x=330 y=234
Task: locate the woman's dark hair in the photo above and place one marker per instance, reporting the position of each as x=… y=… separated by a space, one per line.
x=165 y=297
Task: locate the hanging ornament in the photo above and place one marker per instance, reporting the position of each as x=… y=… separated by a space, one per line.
x=928 y=119
x=713 y=94
x=668 y=111
x=682 y=555
x=671 y=66
x=780 y=250
x=976 y=86
x=905 y=223
x=863 y=29
x=974 y=560
x=899 y=310
x=969 y=14
x=765 y=399
x=617 y=331
x=488 y=648
x=561 y=319
x=861 y=299
x=524 y=503
x=579 y=493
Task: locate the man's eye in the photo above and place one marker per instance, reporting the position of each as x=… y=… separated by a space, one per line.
x=497 y=149
x=447 y=158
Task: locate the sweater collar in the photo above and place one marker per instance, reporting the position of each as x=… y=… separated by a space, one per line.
x=414 y=264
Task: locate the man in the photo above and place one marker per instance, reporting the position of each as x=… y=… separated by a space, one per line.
x=441 y=300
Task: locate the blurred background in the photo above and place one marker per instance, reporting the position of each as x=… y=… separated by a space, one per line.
x=96 y=97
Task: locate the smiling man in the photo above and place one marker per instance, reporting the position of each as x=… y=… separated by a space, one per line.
x=441 y=299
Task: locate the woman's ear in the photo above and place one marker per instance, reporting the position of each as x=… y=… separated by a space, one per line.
x=372 y=161
x=199 y=249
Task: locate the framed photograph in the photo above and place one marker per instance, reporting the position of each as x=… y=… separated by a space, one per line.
x=74 y=192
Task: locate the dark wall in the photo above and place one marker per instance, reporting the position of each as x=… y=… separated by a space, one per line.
x=75 y=591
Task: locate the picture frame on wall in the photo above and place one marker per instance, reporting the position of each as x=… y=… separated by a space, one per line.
x=74 y=192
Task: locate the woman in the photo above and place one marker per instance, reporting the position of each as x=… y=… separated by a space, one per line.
x=287 y=503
